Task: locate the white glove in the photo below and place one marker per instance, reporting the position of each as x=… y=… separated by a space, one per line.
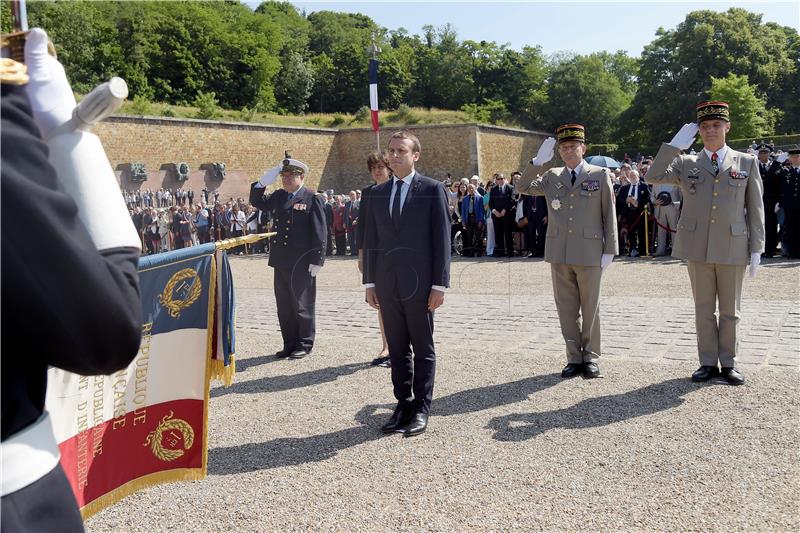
x=783 y=157
x=545 y=152
x=51 y=97
x=77 y=155
x=777 y=208
x=685 y=137
x=605 y=260
x=755 y=261
x=269 y=176
x=314 y=269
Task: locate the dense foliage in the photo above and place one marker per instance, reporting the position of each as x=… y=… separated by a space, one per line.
x=276 y=59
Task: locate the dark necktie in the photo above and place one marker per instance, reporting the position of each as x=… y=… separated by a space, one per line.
x=396 y=203
x=574 y=176
x=291 y=195
x=715 y=163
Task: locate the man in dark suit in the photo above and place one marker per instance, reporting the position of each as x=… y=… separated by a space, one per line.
x=406 y=270
x=351 y=208
x=473 y=221
x=631 y=201
x=296 y=253
x=502 y=206
x=328 y=224
x=771 y=177
x=534 y=209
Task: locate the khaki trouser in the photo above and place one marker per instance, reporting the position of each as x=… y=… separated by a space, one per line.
x=667 y=215
x=577 y=293
x=713 y=282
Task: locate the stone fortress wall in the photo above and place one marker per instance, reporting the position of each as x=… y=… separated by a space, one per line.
x=337 y=158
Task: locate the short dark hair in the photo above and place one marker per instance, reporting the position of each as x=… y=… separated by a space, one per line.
x=516 y=173
x=405 y=134
x=377 y=157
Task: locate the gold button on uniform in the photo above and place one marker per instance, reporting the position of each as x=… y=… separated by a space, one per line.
x=713 y=207
x=712 y=220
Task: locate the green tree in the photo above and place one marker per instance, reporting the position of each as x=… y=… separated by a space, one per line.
x=582 y=90
x=748 y=110
x=294 y=83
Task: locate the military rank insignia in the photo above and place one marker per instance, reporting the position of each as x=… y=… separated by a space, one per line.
x=591 y=185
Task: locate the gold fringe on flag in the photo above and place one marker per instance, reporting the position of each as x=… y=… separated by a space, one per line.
x=246 y=239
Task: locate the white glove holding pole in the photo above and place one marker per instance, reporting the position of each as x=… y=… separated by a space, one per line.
x=77 y=155
x=777 y=208
x=605 y=260
x=314 y=270
x=755 y=261
x=685 y=137
x=545 y=153
x=269 y=177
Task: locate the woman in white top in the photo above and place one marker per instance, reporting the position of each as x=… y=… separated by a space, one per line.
x=238 y=221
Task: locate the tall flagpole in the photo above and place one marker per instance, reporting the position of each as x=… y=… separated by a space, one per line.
x=373 y=89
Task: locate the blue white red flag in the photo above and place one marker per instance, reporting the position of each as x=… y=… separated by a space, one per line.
x=373 y=92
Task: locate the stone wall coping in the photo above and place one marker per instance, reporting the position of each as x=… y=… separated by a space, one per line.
x=140 y=119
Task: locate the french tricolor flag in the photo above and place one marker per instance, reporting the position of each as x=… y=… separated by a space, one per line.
x=373 y=92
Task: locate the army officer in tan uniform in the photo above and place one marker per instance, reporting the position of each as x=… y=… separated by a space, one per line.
x=581 y=241
x=721 y=226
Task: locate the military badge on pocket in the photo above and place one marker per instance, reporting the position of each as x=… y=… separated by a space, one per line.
x=299 y=207
x=591 y=185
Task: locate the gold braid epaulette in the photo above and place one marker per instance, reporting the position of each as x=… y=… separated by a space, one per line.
x=13 y=72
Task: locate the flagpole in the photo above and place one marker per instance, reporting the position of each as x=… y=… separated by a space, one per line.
x=373 y=86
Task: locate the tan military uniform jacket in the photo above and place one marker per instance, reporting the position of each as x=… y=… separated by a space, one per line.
x=722 y=220
x=581 y=219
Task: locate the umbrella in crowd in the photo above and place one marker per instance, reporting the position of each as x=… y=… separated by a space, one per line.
x=603 y=161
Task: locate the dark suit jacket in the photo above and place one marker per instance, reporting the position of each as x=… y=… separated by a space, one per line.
x=363 y=208
x=409 y=258
x=771 y=176
x=499 y=199
x=300 y=224
x=642 y=196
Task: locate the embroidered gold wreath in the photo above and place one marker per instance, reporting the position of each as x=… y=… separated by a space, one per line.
x=168 y=423
x=570 y=133
x=712 y=110
x=176 y=306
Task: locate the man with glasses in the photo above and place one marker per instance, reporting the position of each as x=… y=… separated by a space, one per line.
x=581 y=241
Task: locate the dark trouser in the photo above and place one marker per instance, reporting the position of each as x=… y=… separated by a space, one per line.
x=791 y=222
x=770 y=227
x=473 y=238
x=636 y=233
x=45 y=505
x=503 y=236
x=236 y=233
x=341 y=244
x=351 y=241
x=536 y=235
x=177 y=240
x=408 y=323
x=202 y=234
x=296 y=295
x=329 y=244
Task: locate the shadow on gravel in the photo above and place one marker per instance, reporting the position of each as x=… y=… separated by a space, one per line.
x=244 y=364
x=297 y=451
x=480 y=399
x=594 y=412
x=287 y=382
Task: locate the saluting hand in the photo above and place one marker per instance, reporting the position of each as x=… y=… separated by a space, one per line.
x=545 y=153
x=435 y=299
x=685 y=137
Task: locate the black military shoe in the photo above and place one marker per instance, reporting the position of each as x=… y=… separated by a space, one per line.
x=399 y=418
x=416 y=426
x=732 y=376
x=591 y=370
x=298 y=354
x=704 y=373
x=282 y=354
x=571 y=370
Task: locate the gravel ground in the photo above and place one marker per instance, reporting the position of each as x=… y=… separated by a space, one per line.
x=296 y=445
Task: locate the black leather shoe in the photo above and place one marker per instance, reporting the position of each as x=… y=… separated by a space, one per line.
x=591 y=370
x=399 y=418
x=298 y=354
x=417 y=425
x=732 y=376
x=282 y=353
x=704 y=373
x=571 y=370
